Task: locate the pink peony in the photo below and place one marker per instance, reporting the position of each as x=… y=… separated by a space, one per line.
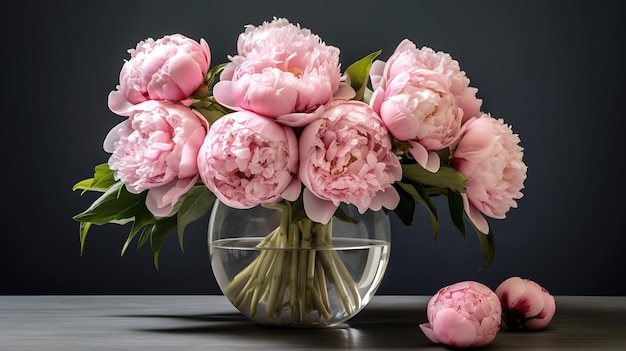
x=417 y=107
x=464 y=314
x=346 y=156
x=248 y=159
x=171 y=68
x=525 y=304
x=155 y=149
x=489 y=155
x=282 y=71
x=407 y=57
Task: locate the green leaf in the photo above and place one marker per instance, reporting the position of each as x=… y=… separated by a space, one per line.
x=145 y=235
x=142 y=219
x=194 y=204
x=83 y=228
x=102 y=180
x=343 y=216
x=160 y=229
x=406 y=207
x=419 y=194
x=446 y=178
x=297 y=209
x=83 y=185
x=457 y=211
x=209 y=113
x=358 y=74
x=115 y=204
x=204 y=90
x=487 y=245
x=213 y=72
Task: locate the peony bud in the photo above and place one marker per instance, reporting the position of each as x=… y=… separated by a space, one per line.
x=525 y=304
x=465 y=314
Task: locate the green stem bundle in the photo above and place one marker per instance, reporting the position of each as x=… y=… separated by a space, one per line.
x=293 y=272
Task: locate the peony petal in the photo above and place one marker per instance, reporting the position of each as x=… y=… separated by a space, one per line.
x=317 y=209
x=161 y=200
x=433 y=163
x=300 y=119
x=344 y=92
x=419 y=153
x=455 y=330
x=510 y=290
x=118 y=103
x=477 y=142
x=207 y=51
x=388 y=198
x=378 y=96
x=544 y=318
x=112 y=136
x=187 y=102
x=475 y=216
x=293 y=190
x=376 y=73
x=223 y=94
x=428 y=159
x=428 y=331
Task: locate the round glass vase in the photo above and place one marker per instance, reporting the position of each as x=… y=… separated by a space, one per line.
x=279 y=268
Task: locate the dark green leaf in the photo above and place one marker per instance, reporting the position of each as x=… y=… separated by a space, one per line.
x=142 y=218
x=444 y=155
x=204 y=90
x=297 y=210
x=358 y=74
x=194 y=204
x=419 y=194
x=446 y=178
x=161 y=228
x=211 y=115
x=457 y=212
x=406 y=207
x=145 y=235
x=115 y=204
x=488 y=246
x=214 y=71
x=343 y=216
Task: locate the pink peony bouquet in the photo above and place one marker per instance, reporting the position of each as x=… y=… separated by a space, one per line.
x=280 y=122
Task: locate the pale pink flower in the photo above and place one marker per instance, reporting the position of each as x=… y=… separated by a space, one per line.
x=248 y=159
x=155 y=149
x=464 y=314
x=418 y=108
x=170 y=68
x=407 y=57
x=525 y=304
x=489 y=155
x=281 y=71
x=346 y=156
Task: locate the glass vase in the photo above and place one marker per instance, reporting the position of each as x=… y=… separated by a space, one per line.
x=279 y=268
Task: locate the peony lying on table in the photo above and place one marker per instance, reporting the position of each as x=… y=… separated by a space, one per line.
x=470 y=314
x=280 y=125
x=464 y=314
x=525 y=304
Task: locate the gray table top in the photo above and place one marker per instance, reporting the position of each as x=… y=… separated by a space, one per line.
x=210 y=323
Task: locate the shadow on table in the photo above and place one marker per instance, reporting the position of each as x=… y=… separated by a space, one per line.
x=393 y=327
x=376 y=327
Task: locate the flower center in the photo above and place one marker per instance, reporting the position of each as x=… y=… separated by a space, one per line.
x=337 y=170
x=295 y=71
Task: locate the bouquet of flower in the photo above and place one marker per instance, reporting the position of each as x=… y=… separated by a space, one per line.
x=280 y=125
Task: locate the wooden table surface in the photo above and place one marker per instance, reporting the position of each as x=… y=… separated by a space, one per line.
x=182 y=322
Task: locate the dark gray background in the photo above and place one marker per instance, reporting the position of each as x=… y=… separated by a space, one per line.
x=550 y=69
